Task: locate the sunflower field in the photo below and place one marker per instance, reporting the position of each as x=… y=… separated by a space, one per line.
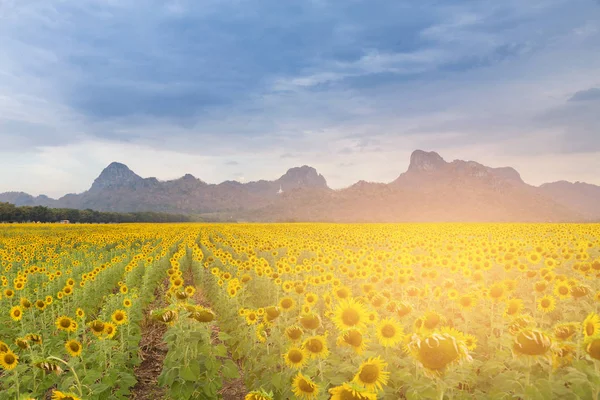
x=303 y=311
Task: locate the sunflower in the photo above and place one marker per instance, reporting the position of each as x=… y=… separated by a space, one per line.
x=258 y=395
x=466 y=301
x=566 y=330
x=531 y=343
x=40 y=305
x=403 y=309
x=271 y=313
x=73 y=348
x=562 y=290
x=251 y=317
x=119 y=317
x=97 y=327
x=470 y=341
x=33 y=338
x=22 y=343
x=513 y=307
x=16 y=313
x=25 y=303
x=127 y=302
x=311 y=298
x=287 y=303
x=203 y=314
x=304 y=388
x=294 y=333
x=316 y=346
x=349 y=314
x=351 y=391
x=592 y=347
x=310 y=321
x=80 y=313
x=591 y=325
x=353 y=338
x=8 y=360
x=580 y=291
x=431 y=320
x=110 y=330
x=57 y=395
x=497 y=292
x=295 y=357
x=534 y=258
x=438 y=351
x=389 y=332
x=66 y=324
x=563 y=355
x=3 y=347
x=546 y=304
x=372 y=375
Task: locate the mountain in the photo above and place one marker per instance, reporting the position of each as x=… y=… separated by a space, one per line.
x=578 y=196
x=117 y=188
x=431 y=189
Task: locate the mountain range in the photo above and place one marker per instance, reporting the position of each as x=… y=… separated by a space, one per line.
x=431 y=189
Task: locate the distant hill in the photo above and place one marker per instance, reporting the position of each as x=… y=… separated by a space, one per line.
x=431 y=189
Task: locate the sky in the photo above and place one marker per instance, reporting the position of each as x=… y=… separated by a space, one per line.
x=244 y=90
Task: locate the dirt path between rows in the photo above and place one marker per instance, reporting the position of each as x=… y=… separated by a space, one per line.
x=152 y=353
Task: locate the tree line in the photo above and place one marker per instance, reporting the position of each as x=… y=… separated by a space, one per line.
x=11 y=213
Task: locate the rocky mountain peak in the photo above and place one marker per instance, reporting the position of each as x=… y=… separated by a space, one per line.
x=303 y=176
x=425 y=161
x=115 y=175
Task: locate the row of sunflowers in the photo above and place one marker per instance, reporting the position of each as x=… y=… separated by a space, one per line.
x=72 y=300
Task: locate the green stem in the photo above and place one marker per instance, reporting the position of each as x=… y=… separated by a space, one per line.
x=72 y=370
x=17 y=383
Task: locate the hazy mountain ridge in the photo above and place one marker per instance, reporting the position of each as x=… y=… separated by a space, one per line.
x=431 y=189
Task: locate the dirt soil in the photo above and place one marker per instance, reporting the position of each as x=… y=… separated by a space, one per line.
x=152 y=353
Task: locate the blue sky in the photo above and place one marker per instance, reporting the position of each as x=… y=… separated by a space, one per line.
x=234 y=89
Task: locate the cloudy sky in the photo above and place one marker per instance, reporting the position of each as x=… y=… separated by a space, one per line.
x=241 y=89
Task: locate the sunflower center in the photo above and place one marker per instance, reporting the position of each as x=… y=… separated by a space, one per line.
x=545 y=303
x=9 y=359
x=353 y=338
x=98 y=327
x=305 y=386
x=314 y=346
x=350 y=317
x=74 y=347
x=369 y=374
x=286 y=303
x=436 y=354
x=65 y=323
x=496 y=292
x=532 y=343
x=431 y=321
x=348 y=395
x=563 y=290
x=294 y=334
x=295 y=356
x=594 y=349
x=388 y=331
x=590 y=329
